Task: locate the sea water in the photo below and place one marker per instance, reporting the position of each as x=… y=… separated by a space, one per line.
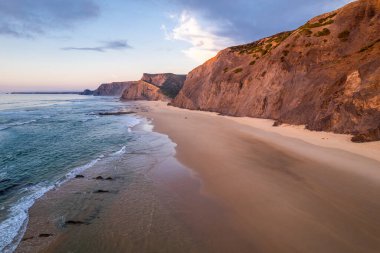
x=47 y=139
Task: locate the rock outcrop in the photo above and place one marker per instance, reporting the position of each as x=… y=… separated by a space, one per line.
x=111 y=89
x=169 y=84
x=325 y=75
x=87 y=92
x=154 y=87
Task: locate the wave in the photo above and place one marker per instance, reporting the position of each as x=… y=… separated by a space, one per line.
x=120 y=152
x=13 y=228
x=17 y=124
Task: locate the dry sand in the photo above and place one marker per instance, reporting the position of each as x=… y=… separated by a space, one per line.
x=286 y=189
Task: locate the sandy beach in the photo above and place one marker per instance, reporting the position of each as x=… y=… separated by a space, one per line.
x=213 y=183
x=286 y=189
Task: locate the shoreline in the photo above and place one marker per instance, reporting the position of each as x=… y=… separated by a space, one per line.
x=152 y=203
x=320 y=186
x=218 y=184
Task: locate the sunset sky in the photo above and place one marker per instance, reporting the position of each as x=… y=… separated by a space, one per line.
x=66 y=45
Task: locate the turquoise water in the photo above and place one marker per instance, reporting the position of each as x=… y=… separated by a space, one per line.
x=47 y=139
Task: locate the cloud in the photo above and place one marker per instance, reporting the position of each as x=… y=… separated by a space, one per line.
x=204 y=41
x=110 y=45
x=246 y=20
x=28 y=18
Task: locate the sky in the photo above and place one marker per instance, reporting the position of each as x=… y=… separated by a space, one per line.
x=70 y=45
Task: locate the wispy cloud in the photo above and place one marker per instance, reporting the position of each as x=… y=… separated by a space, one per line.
x=29 y=18
x=109 y=45
x=204 y=41
x=246 y=20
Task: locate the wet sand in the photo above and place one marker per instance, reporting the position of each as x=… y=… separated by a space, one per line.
x=251 y=188
x=287 y=189
x=150 y=203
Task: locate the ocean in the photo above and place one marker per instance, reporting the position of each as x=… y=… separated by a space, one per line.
x=45 y=140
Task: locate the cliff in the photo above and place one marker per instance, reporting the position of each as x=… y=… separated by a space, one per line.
x=154 y=87
x=325 y=74
x=111 y=89
x=170 y=84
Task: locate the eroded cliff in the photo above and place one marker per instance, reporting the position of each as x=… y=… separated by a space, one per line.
x=154 y=87
x=325 y=74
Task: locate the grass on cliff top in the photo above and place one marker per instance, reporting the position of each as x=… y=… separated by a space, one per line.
x=263 y=46
x=321 y=22
x=306 y=28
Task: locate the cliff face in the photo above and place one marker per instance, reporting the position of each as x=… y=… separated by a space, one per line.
x=325 y=74
x=154 y=87
x=141 y=90
x=111 y=89
x=170 y=84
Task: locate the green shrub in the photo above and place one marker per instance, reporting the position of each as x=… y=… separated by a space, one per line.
x=343 y=36
x=252 y=63
x=285 y=53
x=225 y=70
x=324 y=32
x=238 y=70
x=321 y=22
x=308 y=45
x=307 y=32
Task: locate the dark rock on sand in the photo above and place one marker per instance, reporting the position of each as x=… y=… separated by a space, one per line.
x=101 y=191
x=370 y=135
x=79 y=176
x=99 y=178
x=27 y=238
x=109 y=178
x=45 y=235
x=74 y=222
x=115 y=113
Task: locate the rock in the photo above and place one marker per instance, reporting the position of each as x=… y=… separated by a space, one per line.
x=169 y=84
x=99 y=178
x=87 y=92
x=74 y=222
x=309 y=76
x=109 y=178
x=27 y=238
x=111 y=89
x=154 y=87
x=45 y=235
x=141 y=90
x=79 y=176
x=370 y=135
x=277 y=123
x=101 y=191
x=116 y=113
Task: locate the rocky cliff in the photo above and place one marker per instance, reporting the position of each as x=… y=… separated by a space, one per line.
x=111 y=89
x=154 y=87
x=170 y=84
x=325 y=74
